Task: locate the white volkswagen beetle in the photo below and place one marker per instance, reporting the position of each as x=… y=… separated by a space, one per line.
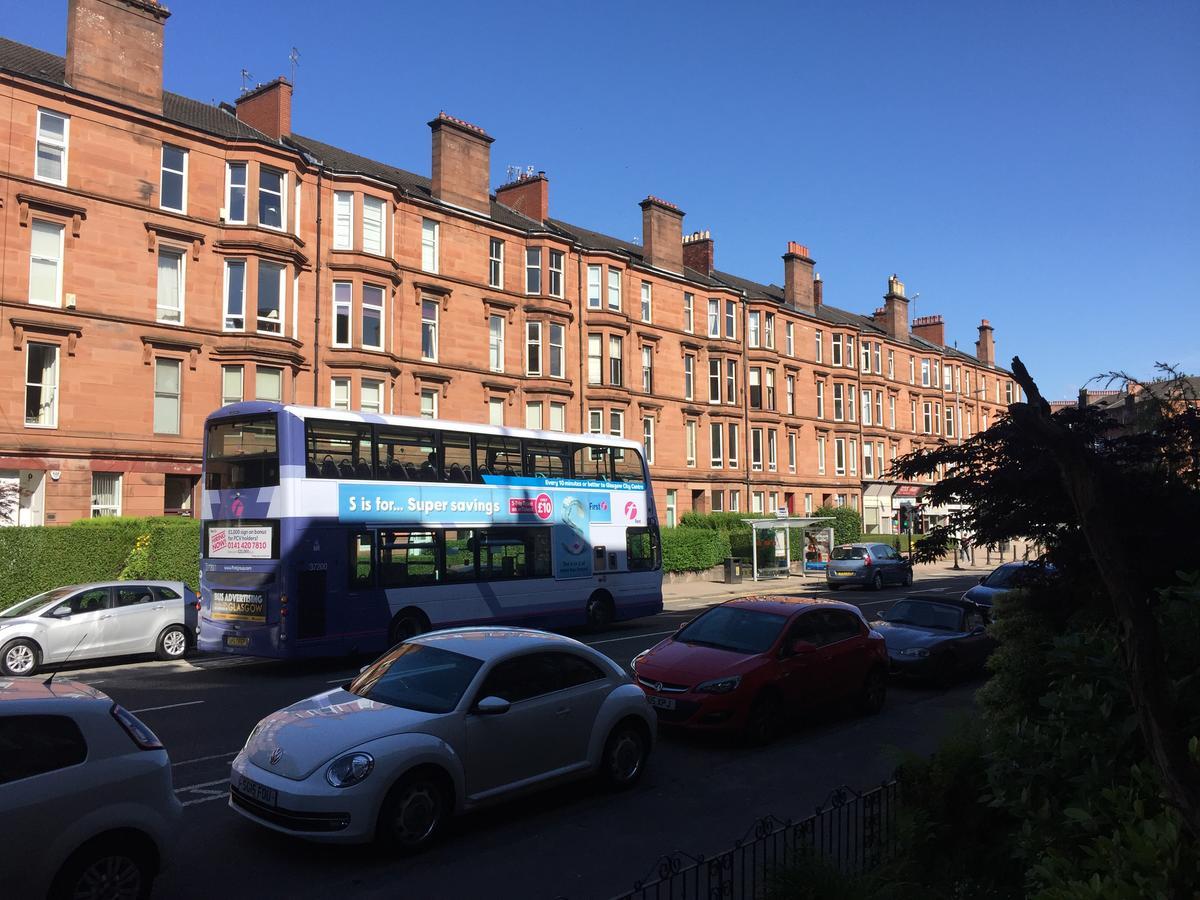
x=439 y=724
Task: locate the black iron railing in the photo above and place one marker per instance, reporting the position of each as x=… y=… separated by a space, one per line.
x=851 y=831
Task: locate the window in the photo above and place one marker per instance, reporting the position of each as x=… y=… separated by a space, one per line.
x=733 y=445
x=672 y=504
x=1008 y=392
x=983 y=421
x=770 y=376
x=36 y=744
x=714 y=317
x=595 y=361
x=853 y=457
x=949 y=421
x=106 y=494
x=731 y=381
x=595 y=421
x=495 y=263
x=429 y=245
x=41 y=385
x=819 y=338
x=533 y=415
x=270 y=198
x=648 y=370
x=769 y=331
x=689 y=312
x=172 y=191
x=878 y=358
x=557 y=351
x=790 y=388
x=912 y=370
x=808 y=504
x=839 y=456
x=850 y=351
x=371 y=396
x=556 y=273
x=716 y=453
x=593 y=287
x=689 y=376
x=615 y=362
x=891 y=372
x=879 y=458
x=820 y=454
x=648 y=437
x=50 y=162
x=714 y=381
x=268 y=383
x=429 y=329
x=756 y=502
x=646 y=302
x=167 y=375
x=913 y=412
x=339 y=393
x=879 y=408
x=270 y=297
x=689 y=431
x=753 y=329
x=820 y=399
x=947 y=378
x=170 y=286
x=836 y=358
x=866 y=356
x=235 y=294
x=731 y=319
x=614 y=288
x=928 y=410
x=495 y=409
x=45 y=263
x=235 y=193
x=868 y=464
x=756 y=449
x=755 y=387
x=772 y=450
x=839 y=411
x=533 y=348
x=374 y=229
x=558 y=416
x=533 y=270
x=866 y=408
x=925 y=373
x=791 y=438
x=891 y=412
x=429 y=405
x=616 y=423
x=343 y=305
x=372 y=317
x=343 y=220
x=735 y=501
x=231 y=384
x=790 y=340
x=718 y=500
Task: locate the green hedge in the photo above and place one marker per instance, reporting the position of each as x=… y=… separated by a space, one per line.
x=693 y=549
x=167 y=552
x=847 y=523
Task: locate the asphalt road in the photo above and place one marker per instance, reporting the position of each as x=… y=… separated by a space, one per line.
x=698 y=795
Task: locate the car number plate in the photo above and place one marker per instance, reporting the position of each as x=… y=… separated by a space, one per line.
x=237 y=640
x=843 y=573
x=662 y=702
x=255 y=791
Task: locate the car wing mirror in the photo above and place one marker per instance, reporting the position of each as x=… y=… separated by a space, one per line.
x=62 y=612
x=492 y=706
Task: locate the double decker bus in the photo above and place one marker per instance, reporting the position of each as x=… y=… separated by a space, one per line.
x=327 y=532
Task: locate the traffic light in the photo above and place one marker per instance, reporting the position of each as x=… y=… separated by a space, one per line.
x=903 y=519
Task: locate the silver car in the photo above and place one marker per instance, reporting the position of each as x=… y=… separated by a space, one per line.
x=442 y=723
x=84 y=621
x=870 y=565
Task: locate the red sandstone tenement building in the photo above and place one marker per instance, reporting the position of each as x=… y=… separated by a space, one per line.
x=160 y=257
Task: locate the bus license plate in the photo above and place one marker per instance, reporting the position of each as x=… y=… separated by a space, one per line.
x=255 y=791
x=237 y=640
x=662 y=702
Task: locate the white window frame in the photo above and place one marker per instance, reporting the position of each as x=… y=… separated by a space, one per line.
x=269 y=371
x=772 y=450
x=228 y=396
x=689 y=441
x=343 y=220
x=866 y=407
x=878 y=358
x=495 y=411
x=879 y=408
x=648 y=437
x=716 y=449
x=363 y=386
x=689 y=312
x=925 y=372
x=672 y=506
x=790 y=338
x=183 y=178
x=868 y=461
x=714 y=379
x=230 y=265
x=101 y=510
x=58 y=267
x=714 y=317
x=614 y=288
x=891 y=369
x=733 y=444
x=52 y=405
x=533 y=349
x=429 y=403
x=616 y=423
x=533 y=415
x=180 y=285
x=647 y=302
x=835 y=357
x=769 y=388
x=927 y=418
x=496 y=343
x=283 y=192
x=769 y=330
x=731 y=380
x=339 y=393
x=382 y=205
x=735 y=500
x=557 y=344
x=839 y=402
x=731 y=320
x=689 y=376
x=754 y=329
x=839 y=456
x=616 y=361
x=595 y=287
x=791 y=440
x=820 y=398
x=647 y=369
x=595 y=358
x=556 y=272
x=819 y=345
x=496 y=263
x=865 y=365
x=790 y=388
x=595 y=421
x=853 y=456
x=820 y=454
x=380 y=307
x=558 y=416
x=533 y=271
x=849 y=351
x=430 y=234
x=891 y=412
x=756 y=449
x=165 y=362
x=52 y=143
x=430 y=326
x=229 y=189
x=258 y=320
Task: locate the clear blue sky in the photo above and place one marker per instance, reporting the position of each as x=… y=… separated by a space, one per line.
x=1032 y=163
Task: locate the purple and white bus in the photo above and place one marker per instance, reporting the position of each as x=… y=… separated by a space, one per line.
x=327 y=532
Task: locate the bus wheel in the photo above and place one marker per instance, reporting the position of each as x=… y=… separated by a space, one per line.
x=600 y=609
x=407 y=623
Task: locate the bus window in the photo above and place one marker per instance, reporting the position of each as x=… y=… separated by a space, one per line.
x=407 y=454
x=456 y=457
x=362 y=565
x=514 y=553
x=497 y=455
x=642 y=551
x=242 y=453
x=545 y=458
x=592 y=463
x=460 y=555
x=337 y=450
x=407 y=558
x=627 y=466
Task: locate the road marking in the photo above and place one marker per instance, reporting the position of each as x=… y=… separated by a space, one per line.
x=875 y=602
x=631 y=637
x=168 y=706
x=188 y=762
x=203 y=784
x=216 y=795
x=207 y=790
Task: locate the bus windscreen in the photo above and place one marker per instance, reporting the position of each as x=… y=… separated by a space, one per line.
x=242 y=453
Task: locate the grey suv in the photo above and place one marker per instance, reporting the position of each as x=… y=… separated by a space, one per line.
x=869 y=565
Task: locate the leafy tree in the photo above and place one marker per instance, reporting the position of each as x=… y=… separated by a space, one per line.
x=847 y=523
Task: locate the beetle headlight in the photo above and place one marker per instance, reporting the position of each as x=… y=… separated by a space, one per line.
x=349 y=770
x=719 y=685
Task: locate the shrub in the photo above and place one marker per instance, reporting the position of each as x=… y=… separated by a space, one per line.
x=167 y=552
x=847 y=524
x=693 y=549
x=36 y=559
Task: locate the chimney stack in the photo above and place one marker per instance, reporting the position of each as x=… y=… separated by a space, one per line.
x=662 y=234
x=895 y=306
x=529 y=195
x=461 y=163
x=268 y=108
x=985 y=347
x=799 y=286
x=698 y=252
x=115 y=50
x=930 y=328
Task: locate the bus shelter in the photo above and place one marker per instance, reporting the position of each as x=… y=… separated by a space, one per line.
x=771 y=547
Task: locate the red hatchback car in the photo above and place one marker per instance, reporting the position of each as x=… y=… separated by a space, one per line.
x=750 y=663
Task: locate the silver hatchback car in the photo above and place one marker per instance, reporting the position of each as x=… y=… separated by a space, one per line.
x=109 y=618
x=869 y=565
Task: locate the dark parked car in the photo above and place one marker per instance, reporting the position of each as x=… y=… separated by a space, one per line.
x=750 y=663
x=942 y=640
x=1008 y=577
x=869 y=565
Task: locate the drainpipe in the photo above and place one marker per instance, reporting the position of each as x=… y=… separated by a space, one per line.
x=745 y=438
x=582 y=339
x=320 y=166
